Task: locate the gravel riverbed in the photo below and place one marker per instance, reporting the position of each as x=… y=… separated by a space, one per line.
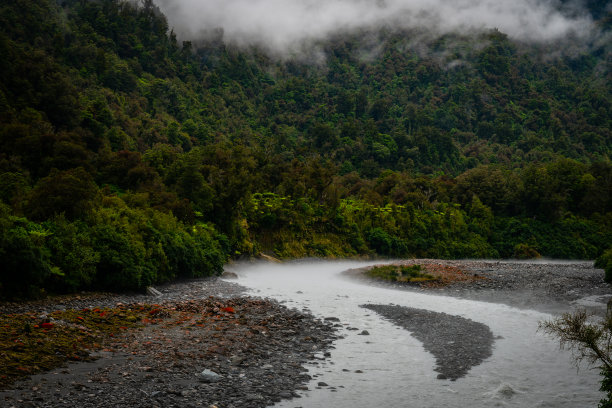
x=251 y=352
x=243 y=352
x=457 y=343
x=547 y=286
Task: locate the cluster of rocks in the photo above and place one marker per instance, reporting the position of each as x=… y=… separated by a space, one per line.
x=214 y=352
x=457 y=343
x=181 y=290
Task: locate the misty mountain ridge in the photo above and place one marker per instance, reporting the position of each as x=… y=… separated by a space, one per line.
x=134 y=154
x=282 y=27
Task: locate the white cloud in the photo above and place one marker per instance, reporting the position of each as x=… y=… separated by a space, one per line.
x=284 y=24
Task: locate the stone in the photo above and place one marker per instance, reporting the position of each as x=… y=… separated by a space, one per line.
x=208 y=376
x=151 y=291
x=229 y=275
x=364 y=333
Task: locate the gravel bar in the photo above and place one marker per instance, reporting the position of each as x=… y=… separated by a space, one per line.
x=547 y=286
x=251 y=355
x=457 y=343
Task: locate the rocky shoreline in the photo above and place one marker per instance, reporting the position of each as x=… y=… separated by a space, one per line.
x=220 y=348
x=230 y=351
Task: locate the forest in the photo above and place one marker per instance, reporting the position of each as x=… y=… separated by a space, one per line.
x=129 y=158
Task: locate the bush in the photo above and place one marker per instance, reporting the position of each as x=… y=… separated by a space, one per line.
x=605 y=262
x=588 y=340
x=24 y=260
x=525 y=251
x=400 y=273
x=71 y=192
x=385 y=244
x=122 y=264
x=72 y=254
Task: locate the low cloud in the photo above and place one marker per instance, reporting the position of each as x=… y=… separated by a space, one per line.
x=283 y=25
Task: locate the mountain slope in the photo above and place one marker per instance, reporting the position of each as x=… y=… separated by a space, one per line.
x=129 y=158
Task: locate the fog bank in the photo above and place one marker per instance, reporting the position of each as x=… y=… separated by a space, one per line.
x=281 y=25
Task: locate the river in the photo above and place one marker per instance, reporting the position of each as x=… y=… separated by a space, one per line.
x=390 y=368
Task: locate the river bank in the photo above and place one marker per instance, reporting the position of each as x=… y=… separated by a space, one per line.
x=231 y=350
x=547 y=286
x=209 y=346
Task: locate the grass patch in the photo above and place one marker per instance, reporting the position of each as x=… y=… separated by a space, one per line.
x=401 y=273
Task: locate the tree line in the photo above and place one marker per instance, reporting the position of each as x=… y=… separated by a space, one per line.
x=129 y=158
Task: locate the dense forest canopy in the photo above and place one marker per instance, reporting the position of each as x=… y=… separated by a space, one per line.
x=131 y=158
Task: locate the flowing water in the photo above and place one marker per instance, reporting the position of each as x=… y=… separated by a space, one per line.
x=389 y=368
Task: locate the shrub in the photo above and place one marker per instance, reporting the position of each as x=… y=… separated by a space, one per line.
x=385 y=244
x=72 y=254
x=24 y=260
x=122 y=263
x=400 y=273
x=588 y=340
x=605 y=262
x=525 y=251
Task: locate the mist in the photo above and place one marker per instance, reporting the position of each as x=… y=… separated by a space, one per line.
x=284 y=25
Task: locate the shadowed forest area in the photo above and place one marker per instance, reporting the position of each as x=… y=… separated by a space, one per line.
x=129 y=158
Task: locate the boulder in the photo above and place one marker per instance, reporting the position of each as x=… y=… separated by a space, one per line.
x=151 y=291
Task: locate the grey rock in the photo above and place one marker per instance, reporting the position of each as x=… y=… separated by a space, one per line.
x=208 y=376
x=151 y=291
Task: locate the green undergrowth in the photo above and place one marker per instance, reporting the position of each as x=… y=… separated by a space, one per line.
x=398 y=273
x=32 y=343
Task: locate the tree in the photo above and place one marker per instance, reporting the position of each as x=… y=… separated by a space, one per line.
x=71 y=192
x=590 y=341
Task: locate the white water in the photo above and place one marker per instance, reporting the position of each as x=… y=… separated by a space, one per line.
x=527 y=369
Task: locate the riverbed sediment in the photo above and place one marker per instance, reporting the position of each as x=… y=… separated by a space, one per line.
x=222 y=348
x=457 y=343
x=547 y=286
x=222 y=351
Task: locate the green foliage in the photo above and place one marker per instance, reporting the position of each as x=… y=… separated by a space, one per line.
x=71 y=193
x=604 y=261
x=72 y=254
x=400 y=273
x=23 y=256
x=525 y=251
x=129 y=160
x=385 y=244
x=588 y=339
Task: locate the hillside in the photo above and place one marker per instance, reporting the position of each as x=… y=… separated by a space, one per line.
x=131 y=158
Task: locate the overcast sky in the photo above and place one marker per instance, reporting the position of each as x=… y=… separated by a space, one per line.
x=282 y=24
